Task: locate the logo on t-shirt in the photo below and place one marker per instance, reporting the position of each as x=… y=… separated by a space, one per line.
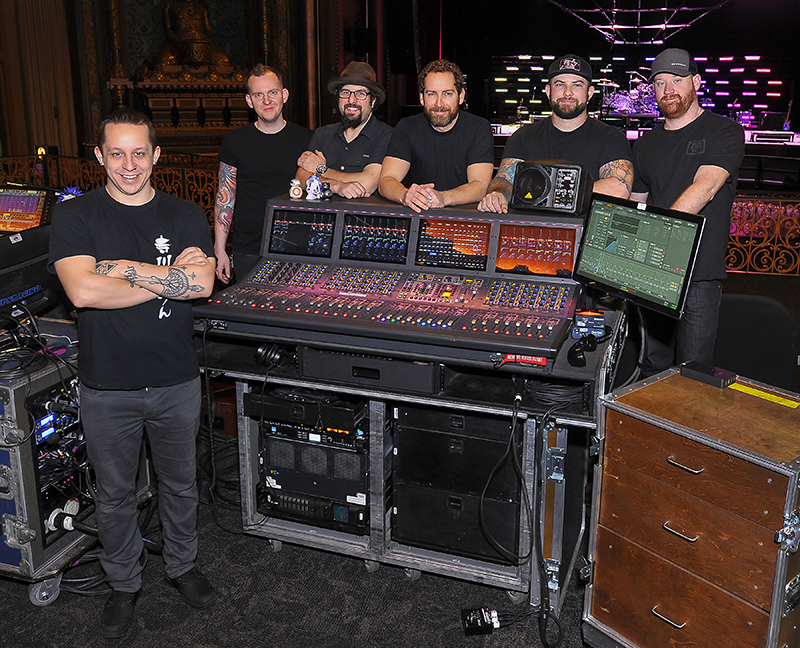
x=698 y=147
x=163 y=258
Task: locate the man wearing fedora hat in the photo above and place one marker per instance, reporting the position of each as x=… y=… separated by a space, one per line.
x=689 y=163
x=569 y=134
x=348 y=155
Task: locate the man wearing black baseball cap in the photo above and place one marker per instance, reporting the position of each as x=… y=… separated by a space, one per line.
x=689 y=163
x=569 y=134
x=348 y=155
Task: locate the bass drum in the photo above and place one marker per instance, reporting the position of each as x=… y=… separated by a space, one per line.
x=621 y=103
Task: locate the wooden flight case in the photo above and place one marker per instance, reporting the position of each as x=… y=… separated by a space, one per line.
x=695 y=524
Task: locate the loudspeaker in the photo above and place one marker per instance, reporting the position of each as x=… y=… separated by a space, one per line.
x=441 y=465
x=552 y=186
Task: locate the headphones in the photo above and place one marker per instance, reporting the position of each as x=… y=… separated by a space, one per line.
x=576 y=356
x=270 y=355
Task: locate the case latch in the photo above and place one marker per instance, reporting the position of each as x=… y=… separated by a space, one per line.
x=789 y=536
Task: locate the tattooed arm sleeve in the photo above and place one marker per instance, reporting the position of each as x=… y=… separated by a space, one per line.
x=503 y=182
x=616 y=179
x=224 y=203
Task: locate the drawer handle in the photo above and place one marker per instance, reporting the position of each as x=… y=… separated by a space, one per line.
x=663 y=618
x=671 y=461
x=677 y=533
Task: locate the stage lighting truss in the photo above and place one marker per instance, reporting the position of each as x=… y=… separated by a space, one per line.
x=638 y=22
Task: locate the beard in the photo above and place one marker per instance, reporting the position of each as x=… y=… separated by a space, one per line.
x=352 y=121
x=676 y=109
x=571 y=113
x=440 y=120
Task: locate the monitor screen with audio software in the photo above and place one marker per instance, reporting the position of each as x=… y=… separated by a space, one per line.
x=457 y=245
x=639 y=252
x=23 y=207
x=375 y=238
x=302 y=233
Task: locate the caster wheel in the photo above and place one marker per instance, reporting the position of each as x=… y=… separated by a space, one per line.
x=412 y=574
x=276 y=545
x=517 y=597
x=44 y=592
x=372 y=566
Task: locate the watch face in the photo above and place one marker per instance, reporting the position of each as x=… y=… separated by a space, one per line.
x=321 y=169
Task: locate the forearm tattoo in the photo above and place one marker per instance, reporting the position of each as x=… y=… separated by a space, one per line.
x=104 y=267
x=504 y=180
x=175 y=285
x=226 y=196
x=621 y=170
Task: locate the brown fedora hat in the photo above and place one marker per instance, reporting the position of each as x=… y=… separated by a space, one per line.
x=358 y=73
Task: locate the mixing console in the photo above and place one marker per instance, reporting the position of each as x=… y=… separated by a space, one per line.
x=448 y=285
x=453 y=309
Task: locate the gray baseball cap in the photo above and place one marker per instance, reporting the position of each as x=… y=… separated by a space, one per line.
x=674 y=61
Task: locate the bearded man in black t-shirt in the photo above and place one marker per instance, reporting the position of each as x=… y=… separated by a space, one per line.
x=689 y=163
x=446 y=153
x=569 y=135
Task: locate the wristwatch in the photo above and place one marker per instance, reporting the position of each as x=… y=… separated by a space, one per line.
x=321 y=169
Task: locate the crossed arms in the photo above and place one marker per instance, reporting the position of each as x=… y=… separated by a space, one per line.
x=122 y=283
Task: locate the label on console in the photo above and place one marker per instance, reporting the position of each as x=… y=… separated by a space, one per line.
x=358 y=498
x=271 y=482
x=523 y=359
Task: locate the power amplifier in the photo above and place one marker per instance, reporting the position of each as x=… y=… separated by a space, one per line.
x=316 y=417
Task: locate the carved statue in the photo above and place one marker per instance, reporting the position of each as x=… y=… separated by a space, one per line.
x=189 y=35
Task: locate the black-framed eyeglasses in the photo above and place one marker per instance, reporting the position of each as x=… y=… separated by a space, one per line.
x=361 y=95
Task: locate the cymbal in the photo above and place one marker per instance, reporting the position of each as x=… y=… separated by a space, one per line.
x=607 y=83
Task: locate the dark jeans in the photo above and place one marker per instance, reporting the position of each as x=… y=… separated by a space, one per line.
x=114 y=423
x=672 y=342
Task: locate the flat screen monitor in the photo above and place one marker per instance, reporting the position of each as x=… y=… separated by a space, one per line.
x=23 y=207
x=452 y=244
x=640 y=252
x=302 y=233
x=375 y=238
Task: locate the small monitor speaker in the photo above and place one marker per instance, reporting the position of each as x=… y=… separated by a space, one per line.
x=552 y=186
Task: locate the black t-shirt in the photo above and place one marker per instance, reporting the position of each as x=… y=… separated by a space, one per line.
x=351 y=157
x=665 y=163
x=151 y=344
x=593 y=144
x=442 y=158
x=265 y=164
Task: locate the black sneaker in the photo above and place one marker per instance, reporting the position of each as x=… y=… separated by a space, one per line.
x=195 y=588
x=117 y=614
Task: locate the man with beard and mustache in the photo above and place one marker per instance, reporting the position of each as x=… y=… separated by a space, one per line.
x=689 y=163
x=569 y=135
x=256 y=162
x=348 y=155
x=446 y=153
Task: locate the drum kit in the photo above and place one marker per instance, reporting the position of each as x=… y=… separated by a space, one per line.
x=638 y=100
